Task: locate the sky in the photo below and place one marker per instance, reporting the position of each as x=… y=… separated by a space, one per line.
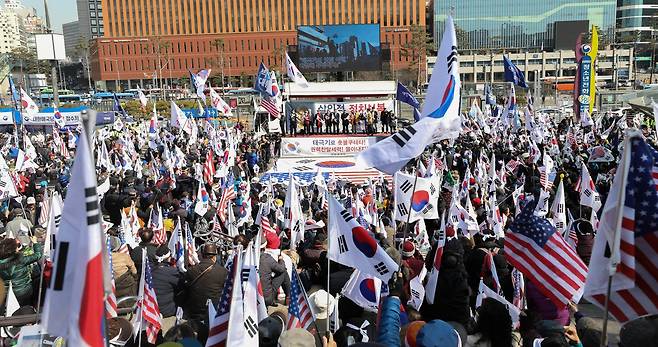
x=61 y=11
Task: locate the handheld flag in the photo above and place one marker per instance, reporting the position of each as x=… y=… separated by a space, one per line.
x=440 y=116
x=535 y=248
x=513 y=74
x=28 y=105
x=294 y=74
x=351 y=245
x=419 y=203
x=74 y=304
x=198 y=82
x=625 y=243
x=142 y=98
x=403 y=94
x=262 y=78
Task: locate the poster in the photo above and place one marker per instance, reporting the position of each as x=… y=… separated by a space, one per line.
x=324 y=146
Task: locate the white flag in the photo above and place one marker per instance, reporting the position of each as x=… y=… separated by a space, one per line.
x=74 y=301
x=176 y=247
x=294 y=74
x=558 y=210
x=541 y=209
x=588 y=194
x=219 y=104
x=351 y=245
x=142 y=98
x=293 y=216
x=440 y=117
x=419 y=203
x=486 y=292
x=364 y=290
x=54 y=218
x=12 y=302
x=178 y=118
x=236 y=328
x=29 y=106
x=417 y=290
x=433 y=280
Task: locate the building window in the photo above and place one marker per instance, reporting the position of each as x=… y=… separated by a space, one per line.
x=92 y=6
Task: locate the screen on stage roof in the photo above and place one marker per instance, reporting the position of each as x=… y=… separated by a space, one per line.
x=328 y=48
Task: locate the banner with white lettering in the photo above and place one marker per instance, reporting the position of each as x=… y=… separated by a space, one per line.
x=301 y=107
x=324 y=147
x=47 y=118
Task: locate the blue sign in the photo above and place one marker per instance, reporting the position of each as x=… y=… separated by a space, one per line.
x=585 y=81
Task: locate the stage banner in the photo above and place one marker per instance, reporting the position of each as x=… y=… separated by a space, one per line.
x=301 y=107
x=47 y=118
x=6 y=117
x=324 y=146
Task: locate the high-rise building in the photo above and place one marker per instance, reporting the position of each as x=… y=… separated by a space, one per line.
x=521 y=24
x=90 y=18
x=142 y=41
x=637 y=21
x=72 y=39
x=18 y=24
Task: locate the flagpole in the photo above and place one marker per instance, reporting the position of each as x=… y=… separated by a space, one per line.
x=326 y=193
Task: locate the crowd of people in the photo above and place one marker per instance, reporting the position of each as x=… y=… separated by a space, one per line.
x=368 y=121
x=147 y=176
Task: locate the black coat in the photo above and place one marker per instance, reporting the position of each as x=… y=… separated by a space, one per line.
x=208 y=286
x=266 y=267
x=167 y=282
x=136 y=255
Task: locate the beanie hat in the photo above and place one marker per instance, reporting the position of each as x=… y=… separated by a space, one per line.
x=437 y=333
x=408 y=249
x=273 y=241
x=412 y=333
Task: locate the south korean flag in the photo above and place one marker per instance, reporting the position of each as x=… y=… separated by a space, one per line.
x=420 y=203
x=350 y=244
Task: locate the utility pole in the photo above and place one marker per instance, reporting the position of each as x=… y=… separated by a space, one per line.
x=53 y=63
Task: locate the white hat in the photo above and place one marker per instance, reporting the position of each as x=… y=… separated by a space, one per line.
x=31 y=200
x=318 y=301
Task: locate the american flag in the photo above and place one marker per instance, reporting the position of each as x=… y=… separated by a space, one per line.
x=635 y=281
x=111 y=299
x=518 y=284
x=533 y=246
x=571 y=137
x=44 y=206
x=512 y=165
x=156 y=223
x=148 y=305
x=270 y=106
x=265 y=225
x=299 y=311
x=227 y=195
x=192 y=256
x=209 y=167
x=218 y=331
x=124 y=246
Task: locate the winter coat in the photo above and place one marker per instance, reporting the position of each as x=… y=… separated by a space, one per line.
x=389 y=324
x=136 y=254
x=207 y=286
x=268 y=266
x=15 y=269
x=167 y=282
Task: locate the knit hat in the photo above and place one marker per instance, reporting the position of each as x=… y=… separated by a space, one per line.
x=437 y=333
x=297 y=337
x=412 y=333
x=408 y=249
x=273 y=241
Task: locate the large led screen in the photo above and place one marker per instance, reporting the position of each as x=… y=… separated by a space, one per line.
x=329 y=48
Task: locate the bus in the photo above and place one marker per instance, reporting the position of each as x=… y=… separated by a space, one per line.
x=47 y=99
x=109 y=95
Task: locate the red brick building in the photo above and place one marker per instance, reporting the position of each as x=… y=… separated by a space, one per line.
x=163 y=38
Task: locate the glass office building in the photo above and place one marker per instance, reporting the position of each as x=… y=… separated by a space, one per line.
x=519 y=24
x=637 y=20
